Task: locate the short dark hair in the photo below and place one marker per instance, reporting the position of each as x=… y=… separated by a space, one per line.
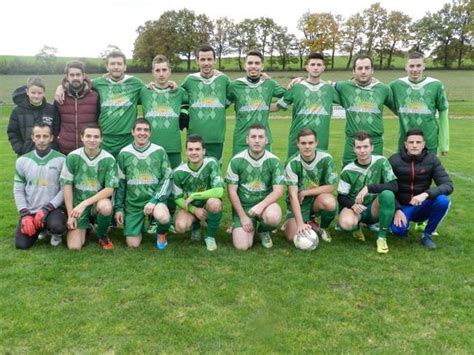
x=141 y=120
x=74 y=64
x=254 y=53
x=116 y=54
x=315 y=55
x=43 y=125
x=362 y=136
x=415 y=55
x=361 y=57
x=414 y=132
x=90 y=126
x=306 y=132
x=195 y=138
x=160 y=58
x=35 y=81
x=206 y=48
x=257 y=126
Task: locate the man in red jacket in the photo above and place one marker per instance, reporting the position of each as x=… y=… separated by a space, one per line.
x=80 y=106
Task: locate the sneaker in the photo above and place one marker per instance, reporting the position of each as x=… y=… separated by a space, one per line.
x=428 y=242
x=382 y=246
x=359 y=235
x=210 y=243
x=56 y=240
x=105 y=243
x=161 y=241
x=42 y=235
x=420 y=227
x=266 y=240
x=196 y=234
x=324 y=234
x=152 y=228
x=374 y=227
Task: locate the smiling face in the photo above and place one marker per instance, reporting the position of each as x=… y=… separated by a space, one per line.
x=35 y=94
x=141 y=134
x=415 y=68
x=206 y=61
x=253 y=66
x=91 y=138
x=195 y=152
x=116 y=68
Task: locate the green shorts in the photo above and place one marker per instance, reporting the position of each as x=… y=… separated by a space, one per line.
x=83 y=222
x=349 y=156
x=134 y=223
x=215 y=150
x=175 y=159
x=236 y=219
x=306 y=210
x=366 y=216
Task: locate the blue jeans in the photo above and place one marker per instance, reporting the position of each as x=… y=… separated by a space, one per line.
x=431 y=210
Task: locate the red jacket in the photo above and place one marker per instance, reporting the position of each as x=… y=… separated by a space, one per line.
x=77 y=110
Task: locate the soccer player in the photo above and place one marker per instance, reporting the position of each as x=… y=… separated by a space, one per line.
x=416 y=200
x=310 y=175
x=144 y=186
x=207 y=92
x=312 y=101
x=366 y=192
x=252 y=96
x=31 y=108
x=161 y=107
x=119 y=95
x=198 y=188
x=363 y=98
x=89 y=178
x=38 y=194
x=417 y=98
x=254 y=184
x=79 y=108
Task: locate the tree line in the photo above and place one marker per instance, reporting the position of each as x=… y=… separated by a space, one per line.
x=445 y=35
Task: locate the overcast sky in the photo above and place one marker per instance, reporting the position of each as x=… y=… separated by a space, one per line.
x=84 y=28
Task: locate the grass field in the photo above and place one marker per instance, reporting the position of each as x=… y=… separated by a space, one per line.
x=342 y=298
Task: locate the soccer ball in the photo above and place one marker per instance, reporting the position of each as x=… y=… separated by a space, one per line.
x=306 y=241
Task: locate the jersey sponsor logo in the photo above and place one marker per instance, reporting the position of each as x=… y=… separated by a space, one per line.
x=161 y=111
x=255 y=186
x=88 y=185
x=256 y=105
x=143 y=179
x=313 y=110
x=40 y=182
x=416 y=107
x=117 y=101
x=207 y=102
x=365 y=107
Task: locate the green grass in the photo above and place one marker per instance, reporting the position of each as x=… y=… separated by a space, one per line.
x=343 y=297
x=459 y=84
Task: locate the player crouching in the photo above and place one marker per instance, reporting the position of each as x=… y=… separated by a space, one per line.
x=197 y=189
x=310 y=175
x=144 y=186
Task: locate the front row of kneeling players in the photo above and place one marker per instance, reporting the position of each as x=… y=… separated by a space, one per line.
x=368 y=190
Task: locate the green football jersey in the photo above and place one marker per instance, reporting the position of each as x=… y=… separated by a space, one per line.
x=354 y=177
x=309 y=175
x=312 y=108
x=207 y=104
x=144 y=175
x=161 y=107
x=255 y=178
x=186 y=181
x=118 y=109
x=364 y=106
x=416 y=105
x=88 y=176
x=252 y=105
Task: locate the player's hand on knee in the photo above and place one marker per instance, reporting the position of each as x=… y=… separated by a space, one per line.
x=71 y=223
x=148 y=209
x=200 y=214
x=399 y=219
x=247 y=224
x=28 y=225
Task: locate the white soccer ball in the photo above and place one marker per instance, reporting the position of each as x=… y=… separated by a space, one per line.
x=306 y=241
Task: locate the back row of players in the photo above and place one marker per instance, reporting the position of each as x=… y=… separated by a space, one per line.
x=208 y=93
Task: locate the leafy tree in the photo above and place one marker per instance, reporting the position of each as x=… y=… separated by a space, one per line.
x=352 y=31
x=47 y=53
x=444 y=32
x=110 y=48
x=284 y=43
x=317 y=28
x=220 y=40
x=243 y=38
x=335 y=36
x=462 y=13
x=398 y=25
x=265 y=26
x=375 y=18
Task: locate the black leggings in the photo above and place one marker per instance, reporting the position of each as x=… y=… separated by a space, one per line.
x=55 y=223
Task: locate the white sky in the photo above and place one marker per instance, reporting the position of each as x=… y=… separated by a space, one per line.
x=84 y=28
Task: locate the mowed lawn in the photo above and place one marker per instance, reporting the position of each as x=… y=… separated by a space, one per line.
x=342 y=297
